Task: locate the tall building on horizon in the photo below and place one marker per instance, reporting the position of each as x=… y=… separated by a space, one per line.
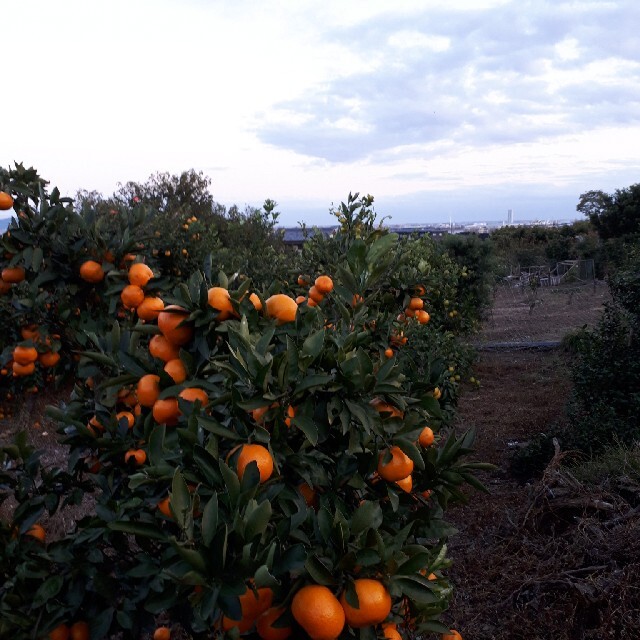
x=509 y=216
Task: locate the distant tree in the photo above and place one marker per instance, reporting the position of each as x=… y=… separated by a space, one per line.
x=171 y=194
x=613 y=216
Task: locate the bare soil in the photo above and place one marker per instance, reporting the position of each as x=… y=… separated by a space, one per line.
x=524 y=314
x=553 y=558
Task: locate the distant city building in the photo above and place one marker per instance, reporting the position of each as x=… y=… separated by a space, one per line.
x=509 y=216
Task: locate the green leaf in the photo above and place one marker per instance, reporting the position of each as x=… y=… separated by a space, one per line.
x=47 y=590
x=156 y=444
x=312 y=381
x=308 y=427
x=232 y=483
x=367 y=516
x=263 y=578
x=414 y=564
x=207 y=464
x=319 y=571
x=210 y=520
x=381 y=246
x=180 y=501
x=312 y=346
x=194 y=558
x=36 y=259
x=142 y=529
x=416 y=589
x=257 y=520
x=412 y=451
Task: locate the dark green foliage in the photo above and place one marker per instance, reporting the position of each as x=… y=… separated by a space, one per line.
x=538 y=245
x=613 y=216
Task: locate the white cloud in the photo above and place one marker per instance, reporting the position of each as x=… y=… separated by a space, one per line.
x=304 y=101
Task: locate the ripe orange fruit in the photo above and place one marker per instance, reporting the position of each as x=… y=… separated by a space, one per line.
x=13 y=275
x=139 y=274
x=79 y=631
x=148 y=389
x=49 y=359
x=416 y=303
x=137 y=455
x=265 y=628
x=374 y=604
x=400 y=466
x=176 y=370
x=290 y=415
x=384 y=408
x=162 y=633
x=5 y=287
x=318 y=612
x=282 y=308
x=252 y=606
x=132 y=296
x=165 y=508
x=311 y=302
x=91 y=271
x=315 y=294
x=61 y=632
x=6 y=201
x=422 y=316
x=300 y=299
x=30 y=332
x=170 y=322
x=310 y=496
x=259 y=413
x=218 y=298
x=20 y=370
x=193 y=394
x=37 y=531
x=426 y=437
x=128 y=416
x=406 y=484
x=437 y=394
x=390 y=632
x=255 y=301
x=324 y=284
x=303 y=281
x=388 y=352
x=24 y=355
x=150 y=308
x=166 y=411
x=452 y=635
x=261 y=455
x=419 y=290
x=163 y=349
x=127 y=397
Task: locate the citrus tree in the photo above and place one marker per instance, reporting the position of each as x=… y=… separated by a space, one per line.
x=256 y=463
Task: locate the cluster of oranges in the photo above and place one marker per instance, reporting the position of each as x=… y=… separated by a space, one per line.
x=321 y=613
x=315 y=608
x=77 y=631
x=394 y=465
x=414 y=310
x=133 y=295
x=322 y=286
x=35 y=349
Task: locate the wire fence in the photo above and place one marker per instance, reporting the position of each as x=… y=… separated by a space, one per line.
x=528 y=314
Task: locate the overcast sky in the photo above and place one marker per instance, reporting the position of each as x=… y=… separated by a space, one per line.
x=456 y=108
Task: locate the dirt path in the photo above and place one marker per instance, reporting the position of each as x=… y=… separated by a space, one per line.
x=526 y=565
